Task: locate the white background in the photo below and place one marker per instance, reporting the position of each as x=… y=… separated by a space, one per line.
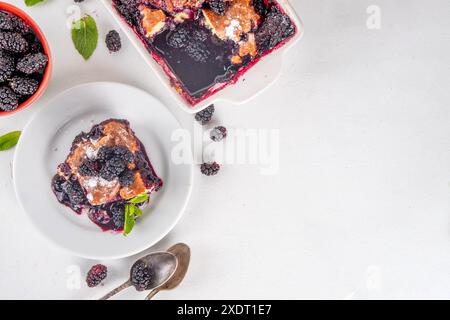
x=360 y=206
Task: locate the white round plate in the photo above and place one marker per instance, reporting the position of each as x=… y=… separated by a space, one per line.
x=46 y=141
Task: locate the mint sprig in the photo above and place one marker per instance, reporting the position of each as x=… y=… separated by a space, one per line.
x=132 y=211
x=31 y=3
x=9 y=140
x=85 y=36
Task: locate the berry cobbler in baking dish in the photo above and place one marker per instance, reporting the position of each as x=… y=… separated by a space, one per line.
x=204 y=45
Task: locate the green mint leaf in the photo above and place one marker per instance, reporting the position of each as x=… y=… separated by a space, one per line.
x=9 y=140
x=137 y=212
x=85 y=36
x=129 y=219
x=139 y=199
x=31 y=3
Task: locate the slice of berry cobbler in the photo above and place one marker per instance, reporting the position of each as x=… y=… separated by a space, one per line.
x=105 y=169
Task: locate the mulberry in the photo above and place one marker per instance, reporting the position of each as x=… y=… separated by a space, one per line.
x=7 y=66
x=32 y=63
x=113 y=42
x=13 y=42
x=8 y=99
x=24 y=86
x=205 y=115
x=218 y=6
x=218 y=133
x=275 y=28
x=96 y=275
x=141 y=276
x=210 y=169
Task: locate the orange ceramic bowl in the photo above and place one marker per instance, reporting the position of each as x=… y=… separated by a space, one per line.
x=48 y=70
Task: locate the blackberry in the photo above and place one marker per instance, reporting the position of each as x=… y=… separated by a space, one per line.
x=7 y=66
x=141 y=276
x=99 y=217
x=179 y=38
x=128 y=9
x=74 y=192
x=205 y=115
x=88 y=168
x=198 y=51
x=113 y=168
x=8 y=99
x=34 y=42
x=10 y=22
x=96 y=275
x=218 y=133
x=113 y=42
x=13 y=42
x=24 y=86
x=32 y=63
x=57 y=183
x=275 y=28
x=210 y=168
x=200 y=35
x=107 y=153
x=126 y=178
x=260 y=7
x=118 y=215
x=218 y=6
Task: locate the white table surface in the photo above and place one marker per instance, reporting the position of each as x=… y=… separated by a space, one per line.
x=360 y=205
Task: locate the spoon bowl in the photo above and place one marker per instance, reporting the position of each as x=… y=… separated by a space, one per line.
x=183 y=254
x=149 y=272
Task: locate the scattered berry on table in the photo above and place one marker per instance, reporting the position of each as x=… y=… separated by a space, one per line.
x=210 y=168
x=205 y=115
x=8 y=99
x=141 y=276
x=218 y=133
x=113 y=42
x=24 y=86
x=32 y=63
x=7 y=66
x=96 y=275
x=13 y=42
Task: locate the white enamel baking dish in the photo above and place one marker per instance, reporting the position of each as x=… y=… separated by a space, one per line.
x=254 y=81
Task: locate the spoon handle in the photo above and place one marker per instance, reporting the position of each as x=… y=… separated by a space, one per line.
x=116 y=290
x=151 y=294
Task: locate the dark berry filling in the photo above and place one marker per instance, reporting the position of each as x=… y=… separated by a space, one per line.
x=199 y=59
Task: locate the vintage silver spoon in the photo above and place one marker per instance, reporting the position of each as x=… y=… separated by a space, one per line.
x=149 y=272
x=183 y=254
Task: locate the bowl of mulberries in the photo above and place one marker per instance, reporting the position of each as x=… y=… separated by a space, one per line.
x=25 y=61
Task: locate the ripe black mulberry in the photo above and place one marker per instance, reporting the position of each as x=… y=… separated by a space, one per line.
x=205 y=115
x=32 y=63
x=96 y=275
x=24 y=86
x=8 y=99
x=7 y=66
x=13 y=42
x=113 y=42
